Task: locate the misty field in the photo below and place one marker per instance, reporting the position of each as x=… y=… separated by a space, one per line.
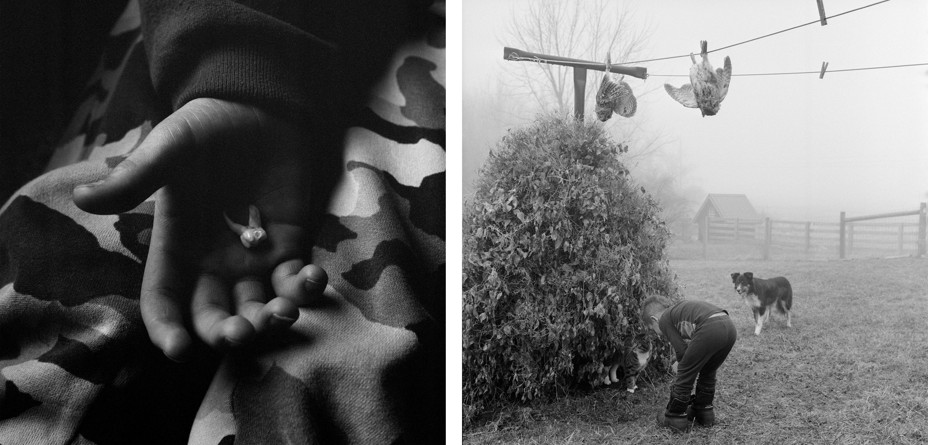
x=853 y=369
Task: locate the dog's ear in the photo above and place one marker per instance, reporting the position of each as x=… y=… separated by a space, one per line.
x=734 y=277
x=749 y=275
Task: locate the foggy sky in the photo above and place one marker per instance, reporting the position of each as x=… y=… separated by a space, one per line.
x=797 y=146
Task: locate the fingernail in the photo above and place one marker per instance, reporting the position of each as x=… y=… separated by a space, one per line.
x=282 y=318
x=316 y=280
x=181 y=358
x=280 y=322
x=233 y=342
x=91 y=184
x=313 y=286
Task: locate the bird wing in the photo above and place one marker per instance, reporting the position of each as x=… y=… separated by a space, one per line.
x=625 y=103
x=603 y=93
x=604 y=98
x=627 y=106
x=615 y=97
x=724 y=75
x=685 y=95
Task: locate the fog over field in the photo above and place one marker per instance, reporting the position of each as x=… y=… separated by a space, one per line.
x=798 y=146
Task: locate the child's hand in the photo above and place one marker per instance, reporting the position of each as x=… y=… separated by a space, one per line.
x=207 y=158
x=673 y=367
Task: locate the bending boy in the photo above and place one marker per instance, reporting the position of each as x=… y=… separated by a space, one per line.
x=702 y=335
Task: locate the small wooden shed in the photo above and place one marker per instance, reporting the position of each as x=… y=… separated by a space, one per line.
x=727 y=206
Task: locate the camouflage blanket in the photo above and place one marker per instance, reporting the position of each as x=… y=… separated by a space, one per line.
x=76 y=365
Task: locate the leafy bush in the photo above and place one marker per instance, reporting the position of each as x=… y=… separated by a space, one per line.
x=560 y=248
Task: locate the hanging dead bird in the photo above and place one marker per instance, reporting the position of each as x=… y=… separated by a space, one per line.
x=707 y=88
x=614 y=96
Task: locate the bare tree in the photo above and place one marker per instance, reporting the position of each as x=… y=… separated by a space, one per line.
x=486 y=117
x=666 y=178
x=582 y=29
x=589 y=29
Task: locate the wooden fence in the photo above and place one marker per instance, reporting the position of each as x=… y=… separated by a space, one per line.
x=849 y=234
x=847 y=228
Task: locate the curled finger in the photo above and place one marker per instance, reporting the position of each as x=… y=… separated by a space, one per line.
x=212 y=317
x=251 y=303
x=300 y=284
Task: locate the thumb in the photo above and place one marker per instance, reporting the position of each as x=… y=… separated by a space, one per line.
x=143 y=172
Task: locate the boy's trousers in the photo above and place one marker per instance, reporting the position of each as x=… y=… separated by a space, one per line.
x=711 y=343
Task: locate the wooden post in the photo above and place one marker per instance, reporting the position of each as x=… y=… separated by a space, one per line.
x=922 y=228
x=808 y=236
x=850 y=238
x=579 y=90
x=704 y=232
x=901 y=238
x=768 y=235
x=769 y=230
x=841 y=238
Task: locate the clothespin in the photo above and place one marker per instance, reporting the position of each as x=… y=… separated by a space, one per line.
x=821 y=75
x=821 y=12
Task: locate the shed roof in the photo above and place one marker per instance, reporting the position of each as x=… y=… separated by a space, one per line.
x=727 y=206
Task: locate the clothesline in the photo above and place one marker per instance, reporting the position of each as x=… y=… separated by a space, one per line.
x=756 y=38
x=804 y=72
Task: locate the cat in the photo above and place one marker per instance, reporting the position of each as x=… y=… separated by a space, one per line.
x=632 y=361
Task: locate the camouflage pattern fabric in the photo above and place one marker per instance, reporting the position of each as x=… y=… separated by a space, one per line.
x=366 y=366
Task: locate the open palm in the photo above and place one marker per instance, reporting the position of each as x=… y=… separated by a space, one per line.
x=207 y=159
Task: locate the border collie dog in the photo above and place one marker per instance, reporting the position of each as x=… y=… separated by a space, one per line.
x=761 y=295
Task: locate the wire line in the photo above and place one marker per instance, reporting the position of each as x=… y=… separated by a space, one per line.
x=756 y=38
x=805 y=72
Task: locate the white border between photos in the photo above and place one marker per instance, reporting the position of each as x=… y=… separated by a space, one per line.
x=453 y=220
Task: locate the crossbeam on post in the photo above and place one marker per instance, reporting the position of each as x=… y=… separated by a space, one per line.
x=527 y=56
x=580 y=68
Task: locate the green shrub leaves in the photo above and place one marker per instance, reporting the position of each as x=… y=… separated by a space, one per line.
x=560 y=247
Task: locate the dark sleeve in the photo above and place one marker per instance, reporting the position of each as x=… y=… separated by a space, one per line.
x=673 y=336
x=284 y=55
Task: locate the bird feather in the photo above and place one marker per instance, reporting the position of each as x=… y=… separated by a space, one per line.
x=724 y=75
x=685 y=95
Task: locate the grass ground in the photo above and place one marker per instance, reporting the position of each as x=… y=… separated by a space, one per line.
x=852 y=370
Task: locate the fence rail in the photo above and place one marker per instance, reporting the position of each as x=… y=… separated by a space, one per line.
x=848 y=234
x=847 y=228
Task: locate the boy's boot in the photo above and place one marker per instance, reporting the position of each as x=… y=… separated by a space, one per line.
x=701 y=407
x=675 y=415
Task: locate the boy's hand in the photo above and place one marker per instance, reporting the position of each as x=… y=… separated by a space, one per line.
x=673 y=367
x=207 y=158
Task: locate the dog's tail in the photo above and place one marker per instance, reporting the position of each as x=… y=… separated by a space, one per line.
x=786 y=302
x=784 y=305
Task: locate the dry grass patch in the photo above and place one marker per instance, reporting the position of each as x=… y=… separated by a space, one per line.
x=853 y=369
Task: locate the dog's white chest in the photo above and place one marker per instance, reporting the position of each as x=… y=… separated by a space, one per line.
x=752 y=301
